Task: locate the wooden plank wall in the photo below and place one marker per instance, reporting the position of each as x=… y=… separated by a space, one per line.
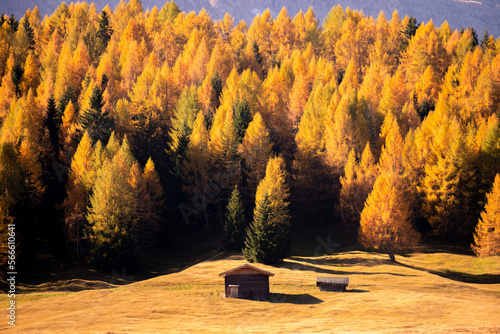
x=251 y=286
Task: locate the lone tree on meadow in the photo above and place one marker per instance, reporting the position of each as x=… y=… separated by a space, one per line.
x=234 y=229
x=385 y=220
x=267 y=238
x=487 y=236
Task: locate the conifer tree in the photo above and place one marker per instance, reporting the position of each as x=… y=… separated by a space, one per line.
x=487 y=235
x=105 y=31
x=98 y=123
x=255 y=151
x=111 y=213
x=267 y=238
x=185 y=114
x=235 y=224
x=385 y=220
x=242 y=117
x=264 y=242
x=53 y=124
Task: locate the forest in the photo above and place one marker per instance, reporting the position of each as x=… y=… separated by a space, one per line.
x=121 y=129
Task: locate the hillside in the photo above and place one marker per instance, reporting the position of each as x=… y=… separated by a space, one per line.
x=459 y=13
x=423 y=293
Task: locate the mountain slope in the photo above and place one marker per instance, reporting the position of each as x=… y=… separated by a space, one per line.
x=479 y=14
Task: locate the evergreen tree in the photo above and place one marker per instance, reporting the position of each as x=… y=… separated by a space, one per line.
x=242 y=117
x=52 y=124
x=14 y=24
x=217 y=85
x=17 y=75
x=266 y=235
x=410 y=30
x=487 y=235
x=105 y=31
x=30 y=35
x=267 y=238
x=235 y=224
x=98 y=123
x=485 y=41
x=475 y=41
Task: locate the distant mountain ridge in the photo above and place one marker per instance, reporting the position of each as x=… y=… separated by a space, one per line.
x=479 y=14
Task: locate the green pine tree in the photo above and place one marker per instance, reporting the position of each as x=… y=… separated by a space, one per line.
x=234 y=230
x=265 y=237
x=242 y=117
x=98 y=123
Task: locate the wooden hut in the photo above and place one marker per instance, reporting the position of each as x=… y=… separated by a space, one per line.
x=247 y=282
x=338 y=284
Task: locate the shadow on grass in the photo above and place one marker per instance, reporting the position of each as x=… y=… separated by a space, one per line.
x=309 y=267
x=459 y=276
x=356 y=291
x=286 y=298
x=346 y=262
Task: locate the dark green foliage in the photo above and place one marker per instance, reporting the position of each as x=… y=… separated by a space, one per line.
x=340 y=76
x=242 y=117
x=256 y=52
x=68 y=95
x=97 y=123
x=149 y=141
x=475 y=41
x=13 y=22
x=410 y=30
x=234 y=229
x=17 y=74
x=267 y=238
x=105 y=31
x=217 y=85
x=29 y=34
x=53 y=122
x=485 y=40
x=424 y=107
x=2 y=19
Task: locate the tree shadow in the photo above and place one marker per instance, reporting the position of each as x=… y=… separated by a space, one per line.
x=347 y=262
x=309 y=267
x=459 y=276
x=287 y=298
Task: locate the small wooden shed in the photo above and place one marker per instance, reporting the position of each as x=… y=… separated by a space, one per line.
x=338 y=284
x=247 y=282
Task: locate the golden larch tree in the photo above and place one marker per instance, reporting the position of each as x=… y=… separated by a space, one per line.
x=487 y=235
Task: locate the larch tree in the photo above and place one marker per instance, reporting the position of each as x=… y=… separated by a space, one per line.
x=357 y=183
x=111 y=213
x=196 y=165
x=386 y=219
x=255 y=151
x=487 y=234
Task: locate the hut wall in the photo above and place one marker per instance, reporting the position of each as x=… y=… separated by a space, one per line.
x=251 y=286
x=331 y=286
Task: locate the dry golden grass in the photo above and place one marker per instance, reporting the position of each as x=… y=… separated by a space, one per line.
x=410 y=297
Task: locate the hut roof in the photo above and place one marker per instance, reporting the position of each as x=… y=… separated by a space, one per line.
x=333 y=280
x=246 y=267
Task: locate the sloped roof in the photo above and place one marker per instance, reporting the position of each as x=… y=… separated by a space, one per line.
x=246 y=266
x=333 y=280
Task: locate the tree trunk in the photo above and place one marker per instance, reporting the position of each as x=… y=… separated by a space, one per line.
x=392 y=257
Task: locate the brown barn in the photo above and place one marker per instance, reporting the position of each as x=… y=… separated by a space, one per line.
x=332 y=283
x=247 y=282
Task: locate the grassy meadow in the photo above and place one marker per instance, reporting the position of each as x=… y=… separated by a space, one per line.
x=423 y=292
